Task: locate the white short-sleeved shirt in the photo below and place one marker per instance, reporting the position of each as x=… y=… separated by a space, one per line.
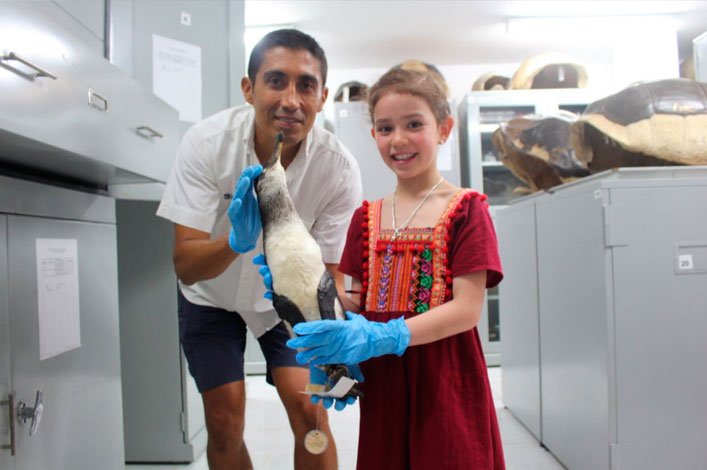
x=324 y=181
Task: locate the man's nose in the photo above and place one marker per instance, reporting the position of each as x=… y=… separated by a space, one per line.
x=290 y=97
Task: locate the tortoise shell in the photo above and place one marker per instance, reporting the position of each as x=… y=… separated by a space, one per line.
x=549 y=70
x=418 y=65
x=537 y=150
x=647 y=124
x=491 y=81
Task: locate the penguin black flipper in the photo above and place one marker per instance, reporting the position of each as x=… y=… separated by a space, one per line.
x=286 y=309
x=327 y=297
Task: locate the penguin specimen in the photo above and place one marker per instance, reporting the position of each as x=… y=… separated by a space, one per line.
x=303 y=289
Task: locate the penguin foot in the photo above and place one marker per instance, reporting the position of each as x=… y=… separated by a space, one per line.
x=337 y=371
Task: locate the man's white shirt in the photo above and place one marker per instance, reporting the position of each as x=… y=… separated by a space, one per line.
x=324 y=182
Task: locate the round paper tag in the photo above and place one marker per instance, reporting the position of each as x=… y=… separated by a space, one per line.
x=316 y=442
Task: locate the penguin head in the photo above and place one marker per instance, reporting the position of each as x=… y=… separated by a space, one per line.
x=272 y=181
x=276 y=154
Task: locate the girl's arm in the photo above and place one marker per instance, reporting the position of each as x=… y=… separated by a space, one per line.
x=460 y=314
x=352 y=299
x=356 y=340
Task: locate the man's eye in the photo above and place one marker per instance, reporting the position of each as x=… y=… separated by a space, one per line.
x=307 y=86
x=274 y=81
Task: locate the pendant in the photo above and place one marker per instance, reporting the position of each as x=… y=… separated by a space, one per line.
x=316 y=442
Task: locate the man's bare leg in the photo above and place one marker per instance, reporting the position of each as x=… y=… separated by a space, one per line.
x=290 y=381
x=224 y=409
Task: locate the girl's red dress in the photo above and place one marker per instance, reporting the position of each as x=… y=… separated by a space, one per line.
x=432 y=407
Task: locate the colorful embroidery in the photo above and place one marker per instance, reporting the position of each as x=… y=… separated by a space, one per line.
x=409 y=273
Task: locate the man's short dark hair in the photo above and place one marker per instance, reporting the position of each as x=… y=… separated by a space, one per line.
x=290 y=39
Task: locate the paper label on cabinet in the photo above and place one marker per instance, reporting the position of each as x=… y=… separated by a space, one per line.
x=176 y=76
x=57 y=296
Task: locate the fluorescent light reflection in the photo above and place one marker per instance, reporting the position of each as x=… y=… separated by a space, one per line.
x=590 y=30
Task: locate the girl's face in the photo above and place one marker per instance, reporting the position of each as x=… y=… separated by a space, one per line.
x=407 y=134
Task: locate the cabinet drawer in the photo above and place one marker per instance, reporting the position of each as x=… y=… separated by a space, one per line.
x=66 y=110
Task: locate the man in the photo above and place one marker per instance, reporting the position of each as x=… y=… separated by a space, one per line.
x=220 y=290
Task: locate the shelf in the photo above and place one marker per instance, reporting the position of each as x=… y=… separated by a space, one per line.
x=488 y=128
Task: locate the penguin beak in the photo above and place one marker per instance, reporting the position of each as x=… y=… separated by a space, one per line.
x=277 y=152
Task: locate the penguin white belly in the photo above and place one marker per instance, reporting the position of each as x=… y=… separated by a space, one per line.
x=296 y=265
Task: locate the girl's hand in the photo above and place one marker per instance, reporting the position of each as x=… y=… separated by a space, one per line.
x=348 y=342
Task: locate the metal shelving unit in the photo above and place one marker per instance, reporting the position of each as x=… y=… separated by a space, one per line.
x=480 y=113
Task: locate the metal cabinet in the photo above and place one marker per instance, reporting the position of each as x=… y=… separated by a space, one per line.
x=520 y=324
x=620 y=277
x=80 y=425
x=163 y=415
x=699 y=47
x=55 y=87
x=481 y=112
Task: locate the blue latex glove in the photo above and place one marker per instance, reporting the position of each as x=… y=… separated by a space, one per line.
x=318 y=376
x=264 y=271
x=244 y=212
x=348 y=342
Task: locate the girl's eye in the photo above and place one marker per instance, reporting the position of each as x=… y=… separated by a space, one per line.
x=415 y=124
x=384 y=129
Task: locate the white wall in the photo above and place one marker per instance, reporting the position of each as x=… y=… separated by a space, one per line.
x=625 y=51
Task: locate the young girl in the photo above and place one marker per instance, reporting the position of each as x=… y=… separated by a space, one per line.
x=421 y=259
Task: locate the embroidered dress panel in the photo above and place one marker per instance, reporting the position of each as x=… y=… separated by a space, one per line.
x=407 y=272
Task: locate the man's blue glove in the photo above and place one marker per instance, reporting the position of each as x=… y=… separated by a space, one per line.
x=264 y=271
x=349 y=342
x=244 y=212
x=318 y=376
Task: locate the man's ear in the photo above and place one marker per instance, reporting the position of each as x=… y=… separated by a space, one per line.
x=325 y=94
x=247 y=89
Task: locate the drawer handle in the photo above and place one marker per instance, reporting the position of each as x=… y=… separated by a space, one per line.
x=39 y=71
x=10 y=402
x=97 y=101
x=147 y=131
x=33 y=414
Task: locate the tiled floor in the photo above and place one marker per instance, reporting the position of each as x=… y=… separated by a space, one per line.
x=270 y=442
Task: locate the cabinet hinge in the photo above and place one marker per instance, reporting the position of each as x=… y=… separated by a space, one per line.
x=613 y=456
x=612 y=227
x=183 y=421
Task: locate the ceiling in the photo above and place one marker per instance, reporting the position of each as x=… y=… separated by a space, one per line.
x=369 y=33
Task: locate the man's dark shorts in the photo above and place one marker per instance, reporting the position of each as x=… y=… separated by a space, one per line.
x=214 y=339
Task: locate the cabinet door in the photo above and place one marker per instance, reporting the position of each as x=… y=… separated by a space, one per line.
x=6 y=458
x=81 y=426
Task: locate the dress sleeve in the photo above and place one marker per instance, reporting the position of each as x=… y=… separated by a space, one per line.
x=473 y=245
x=351 y=260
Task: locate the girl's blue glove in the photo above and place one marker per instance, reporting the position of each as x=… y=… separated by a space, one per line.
x=264 y=271
x=318 y=376
x=244 y=212
x=348 y=342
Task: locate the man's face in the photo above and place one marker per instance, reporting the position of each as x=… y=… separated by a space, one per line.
x=287 y=95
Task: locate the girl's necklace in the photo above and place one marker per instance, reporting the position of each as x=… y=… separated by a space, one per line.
x=396 y=229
